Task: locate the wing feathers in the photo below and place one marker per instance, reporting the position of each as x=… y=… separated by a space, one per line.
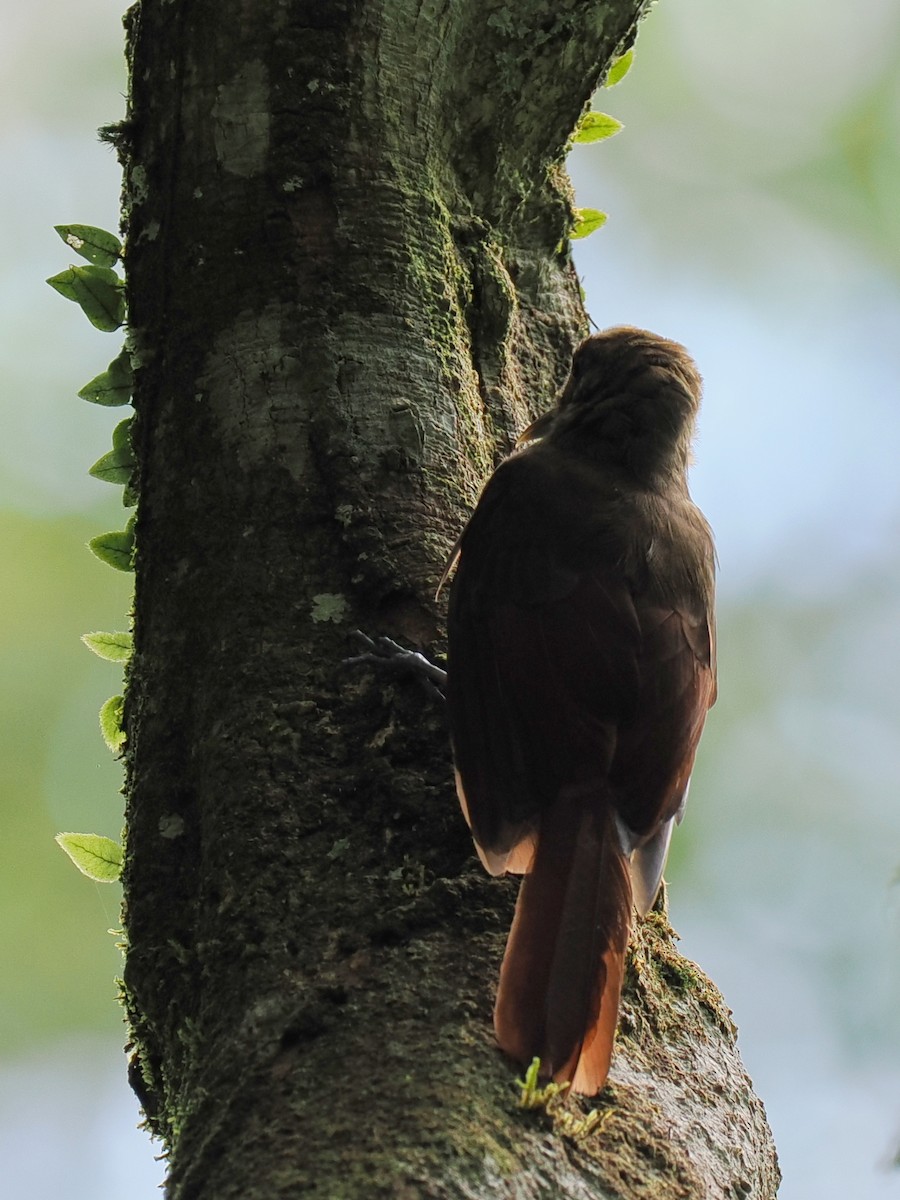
x=546 y=696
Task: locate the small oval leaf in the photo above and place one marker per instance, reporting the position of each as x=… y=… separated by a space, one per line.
x=100 y=858
x=98 y=290
x=587 y=220
x=113 y=467
x=619 y=68
x=111 y=717
x=595 y=126
x=114 y=548
x=114 y=647
x=121 y=437
x=96 y=245
x=117 y=465
x=114 y=386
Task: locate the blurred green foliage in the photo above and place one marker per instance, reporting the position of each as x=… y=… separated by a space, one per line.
x=55 y=773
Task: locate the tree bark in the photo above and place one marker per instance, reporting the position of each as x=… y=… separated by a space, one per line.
x=349 y=287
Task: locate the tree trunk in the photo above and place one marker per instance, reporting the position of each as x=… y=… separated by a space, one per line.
x=349 y=287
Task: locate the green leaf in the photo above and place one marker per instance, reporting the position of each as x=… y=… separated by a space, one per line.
x=114 y=387
x=96 y=245
x=114 y=647
x=99 y=858
x=129 y=496
x=118 y=464
x=113 y=467
x=98 y=290
x=586 y=221
x=121 y=438
x=595 y=126
x=115 y=548
x=618 y=69
x=111 y=716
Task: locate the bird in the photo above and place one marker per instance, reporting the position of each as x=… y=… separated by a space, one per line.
x=581 y=664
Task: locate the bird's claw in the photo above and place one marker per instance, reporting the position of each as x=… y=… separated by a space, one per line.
x=385 y=652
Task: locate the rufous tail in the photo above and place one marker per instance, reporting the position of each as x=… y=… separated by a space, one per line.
x=558 y=996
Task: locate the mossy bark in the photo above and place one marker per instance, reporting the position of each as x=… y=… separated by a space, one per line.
x=349 y=286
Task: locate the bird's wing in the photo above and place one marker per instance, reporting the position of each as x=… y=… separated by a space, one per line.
x=561 y=674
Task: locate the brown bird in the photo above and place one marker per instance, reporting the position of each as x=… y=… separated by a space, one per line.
x=581 y=666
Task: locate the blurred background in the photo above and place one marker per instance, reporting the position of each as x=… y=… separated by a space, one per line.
x=754 y=202
x=754 y=214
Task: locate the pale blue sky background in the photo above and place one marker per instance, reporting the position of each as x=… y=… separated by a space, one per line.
x=754 y=202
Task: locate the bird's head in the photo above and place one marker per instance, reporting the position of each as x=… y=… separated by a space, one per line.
x=630 y=401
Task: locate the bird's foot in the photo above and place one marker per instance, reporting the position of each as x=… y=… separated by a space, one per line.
x=385 y=652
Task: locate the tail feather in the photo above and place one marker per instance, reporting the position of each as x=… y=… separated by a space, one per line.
x=561 y=978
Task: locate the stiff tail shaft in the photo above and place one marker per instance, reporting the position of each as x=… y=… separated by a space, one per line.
x=561 y=978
